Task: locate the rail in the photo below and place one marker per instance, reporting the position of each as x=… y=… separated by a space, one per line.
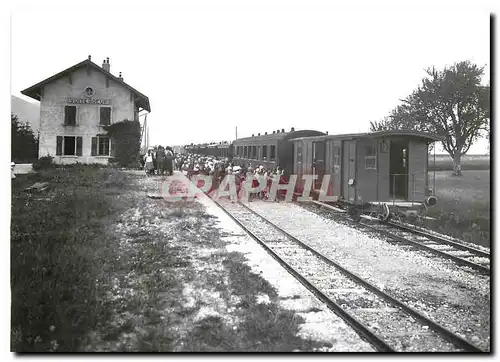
x=358 y=326
x=386 y=231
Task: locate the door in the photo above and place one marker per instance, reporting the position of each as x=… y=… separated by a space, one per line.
x=348 y=168
x=319 y=152
x=398 y=170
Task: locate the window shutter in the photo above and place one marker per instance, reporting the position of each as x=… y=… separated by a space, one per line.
x=94 y=146
x=66 y=115
x=59 y=146
x=105 y=115
x=79 y=141
x=70 y=115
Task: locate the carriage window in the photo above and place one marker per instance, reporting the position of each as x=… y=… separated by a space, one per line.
x=272 y=156
x=336 y=158
x=370 y=158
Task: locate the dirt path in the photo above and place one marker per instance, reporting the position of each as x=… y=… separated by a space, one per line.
x=179 y=282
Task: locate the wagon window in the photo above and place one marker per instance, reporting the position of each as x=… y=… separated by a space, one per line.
x=336 y=158
x=370 y=158
x=272 y=156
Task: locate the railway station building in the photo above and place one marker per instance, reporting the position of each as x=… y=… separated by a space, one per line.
x=75 y=105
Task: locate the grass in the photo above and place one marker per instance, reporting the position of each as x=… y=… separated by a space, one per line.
x=262 y=327
x=472 y=162
x=463 y=208
x=97 y=266
x=57 y=251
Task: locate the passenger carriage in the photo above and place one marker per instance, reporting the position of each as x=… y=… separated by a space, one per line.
x=382 y=174
x=269 y=150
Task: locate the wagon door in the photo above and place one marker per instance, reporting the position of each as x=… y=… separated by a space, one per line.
x=348 y=169
x=417 y=170
x=319 y=151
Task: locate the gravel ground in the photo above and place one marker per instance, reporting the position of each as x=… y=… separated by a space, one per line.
x=395 y=327
x=454 y=297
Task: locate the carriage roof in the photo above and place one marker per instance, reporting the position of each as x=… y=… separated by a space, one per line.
x=282 y=136
x=378 y=134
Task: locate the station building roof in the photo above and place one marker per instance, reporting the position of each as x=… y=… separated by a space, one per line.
x=35 y=90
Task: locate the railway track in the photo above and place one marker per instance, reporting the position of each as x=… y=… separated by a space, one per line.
x=382 y=320
x=459 y=253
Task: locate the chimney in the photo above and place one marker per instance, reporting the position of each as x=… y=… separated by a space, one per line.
x=292 y=129
x=253 y=134
x=282 y=130
x=274 y=132
x=120 y=76
x=265 y=133
x=90 y=57
x=105 y=65
x=258 y=134
x=326 y=132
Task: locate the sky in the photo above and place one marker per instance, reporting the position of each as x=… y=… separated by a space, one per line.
x=208 y=70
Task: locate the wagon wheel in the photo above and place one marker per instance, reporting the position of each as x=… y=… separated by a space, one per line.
x=354 y=213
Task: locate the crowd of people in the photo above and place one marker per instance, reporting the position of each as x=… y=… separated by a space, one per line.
x=192 y=164
x=159 y=160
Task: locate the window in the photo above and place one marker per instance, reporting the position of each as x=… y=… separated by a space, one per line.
x=370 y=158
x=70 y=115
x=272 y=156
x=254 y=152
x=69 y=146
x=264 y=153
x=336 y=158
x=101 y=146
x=105 y=115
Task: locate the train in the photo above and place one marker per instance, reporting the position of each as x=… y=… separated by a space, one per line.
x=380 y=175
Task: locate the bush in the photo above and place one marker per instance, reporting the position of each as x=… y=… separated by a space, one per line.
x=126 y=138
x=44 y=163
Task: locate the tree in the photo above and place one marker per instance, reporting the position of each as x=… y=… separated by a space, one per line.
x=451 y=103
x=24 y=146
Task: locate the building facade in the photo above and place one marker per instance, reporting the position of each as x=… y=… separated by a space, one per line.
x=76 y=104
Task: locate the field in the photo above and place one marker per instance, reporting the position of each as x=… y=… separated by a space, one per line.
x=463 y=208
x=468 y=162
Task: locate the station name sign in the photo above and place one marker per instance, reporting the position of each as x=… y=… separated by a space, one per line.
x=104 y=102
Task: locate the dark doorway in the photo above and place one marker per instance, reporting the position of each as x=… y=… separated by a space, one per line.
x=398 y=170
x=319 y=151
